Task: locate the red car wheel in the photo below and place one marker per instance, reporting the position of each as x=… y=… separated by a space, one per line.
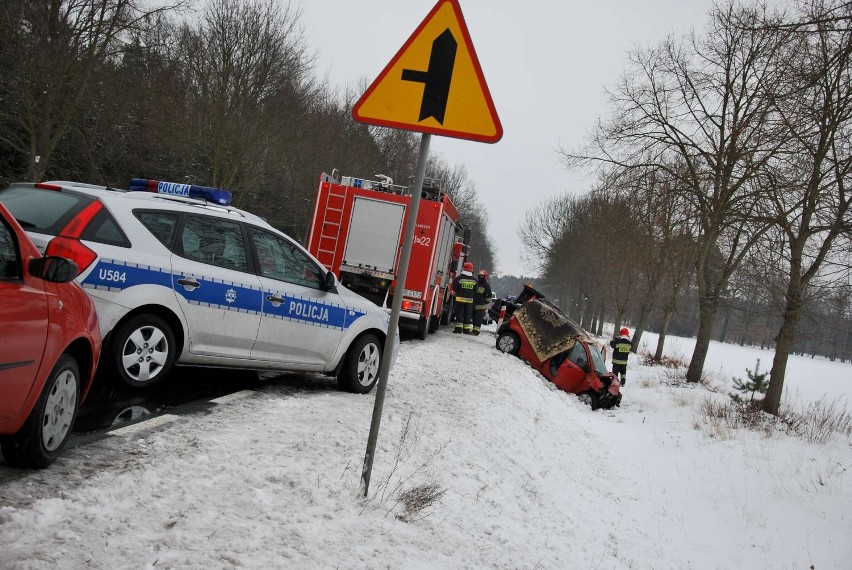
x=509 y=342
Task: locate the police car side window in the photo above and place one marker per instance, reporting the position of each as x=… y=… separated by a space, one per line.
x=9 y=268
x=213 y=241
x=282 y=260
x=161 y=224
x=104 y=229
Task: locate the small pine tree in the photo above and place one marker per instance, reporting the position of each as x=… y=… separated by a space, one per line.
x=757 y=383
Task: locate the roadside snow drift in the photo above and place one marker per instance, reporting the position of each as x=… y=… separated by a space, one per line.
x=516 y=474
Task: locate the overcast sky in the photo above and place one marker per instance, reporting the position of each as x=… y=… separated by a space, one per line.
x=546 y=63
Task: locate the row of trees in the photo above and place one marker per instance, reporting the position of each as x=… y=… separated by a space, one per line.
x=105 y=90
x=723 y=170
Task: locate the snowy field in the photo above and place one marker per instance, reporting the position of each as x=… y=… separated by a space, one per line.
x=524 y=476
x=808 y=379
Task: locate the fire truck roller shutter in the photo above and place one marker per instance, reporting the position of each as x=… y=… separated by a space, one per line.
x=374 y=233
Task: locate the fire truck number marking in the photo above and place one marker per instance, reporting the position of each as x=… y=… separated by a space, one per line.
x=413 y=294
x=422 y=240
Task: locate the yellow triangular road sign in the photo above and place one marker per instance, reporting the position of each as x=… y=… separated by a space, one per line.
x=434 y=83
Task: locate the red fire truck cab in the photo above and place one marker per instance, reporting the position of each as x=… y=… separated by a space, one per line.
x=357 y=231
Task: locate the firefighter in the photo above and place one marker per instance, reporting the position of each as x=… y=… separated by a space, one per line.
x=463 y=288
x=481 y=300
x=621 y=347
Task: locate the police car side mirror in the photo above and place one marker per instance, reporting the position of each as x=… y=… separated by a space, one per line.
x=53 y=269
x=329 y=283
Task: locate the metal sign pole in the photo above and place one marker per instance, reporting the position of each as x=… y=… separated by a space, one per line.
x=395 y=309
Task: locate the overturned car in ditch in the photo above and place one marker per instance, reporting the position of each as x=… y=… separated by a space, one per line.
x=546 y=339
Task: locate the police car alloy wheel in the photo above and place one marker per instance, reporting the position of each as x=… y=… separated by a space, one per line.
x=143 y=350
x=44 y=435
x=361 y=368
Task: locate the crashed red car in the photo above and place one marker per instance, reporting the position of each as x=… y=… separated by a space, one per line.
x=49 y=348
x=546 y=339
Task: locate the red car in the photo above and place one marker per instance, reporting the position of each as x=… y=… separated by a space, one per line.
x=541 y=335
x=49 y=348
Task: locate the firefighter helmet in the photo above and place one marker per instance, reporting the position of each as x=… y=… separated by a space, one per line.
x=483 y=273
x=624 y=332
x=468 y=266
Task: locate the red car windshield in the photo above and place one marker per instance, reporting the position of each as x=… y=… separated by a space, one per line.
x=597 y=360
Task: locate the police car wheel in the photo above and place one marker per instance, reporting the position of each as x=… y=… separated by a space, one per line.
x=361 y=368
x=47 y=429
x=143 y=350
x=509 y=342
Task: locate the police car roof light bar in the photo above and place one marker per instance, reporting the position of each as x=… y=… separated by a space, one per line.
x=215 y=195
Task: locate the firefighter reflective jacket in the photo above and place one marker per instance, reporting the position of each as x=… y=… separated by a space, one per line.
x=620 y=349
x=482 y=294
x=463 y=287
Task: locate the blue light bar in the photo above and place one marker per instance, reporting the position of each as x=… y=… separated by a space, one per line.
x=215 y=195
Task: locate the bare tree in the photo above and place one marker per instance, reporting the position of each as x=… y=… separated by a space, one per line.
x=456 y=182
x=242 y=59
x=703 y=104
x=51 y=51
x=811 y=204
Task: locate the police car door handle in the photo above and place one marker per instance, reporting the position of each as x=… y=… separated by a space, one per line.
x=275 y=299
x=189 y=283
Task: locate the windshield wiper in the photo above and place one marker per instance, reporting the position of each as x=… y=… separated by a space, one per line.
x=25 y=224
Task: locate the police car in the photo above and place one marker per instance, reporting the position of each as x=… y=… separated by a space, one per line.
x=179 y=276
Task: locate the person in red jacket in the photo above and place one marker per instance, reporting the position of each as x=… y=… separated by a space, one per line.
x=621 y=347
x=463 y=287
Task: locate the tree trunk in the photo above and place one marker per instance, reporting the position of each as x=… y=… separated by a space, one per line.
x=664 y=329
x=586 y=319
x=594 y=324
x=706 y=317
x=724 y=332
x=644 y=312
x=783 y=345
x=599 y=330
x=564 y=301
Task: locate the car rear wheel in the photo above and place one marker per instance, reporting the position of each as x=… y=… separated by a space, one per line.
x=508 y=341
x=47 y=429
x=143 y=350
x=361 y=365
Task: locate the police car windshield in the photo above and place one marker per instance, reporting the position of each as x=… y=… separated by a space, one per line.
x=44 y=211
x=597 y=360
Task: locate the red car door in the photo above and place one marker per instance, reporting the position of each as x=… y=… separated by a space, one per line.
x=571 y=375
x=23 y=323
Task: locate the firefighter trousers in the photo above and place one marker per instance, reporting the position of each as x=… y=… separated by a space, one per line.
x=464 y=317
x=478 y=319
x=620 y=370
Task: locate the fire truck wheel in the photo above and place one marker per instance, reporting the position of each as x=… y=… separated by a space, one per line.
x=447 y=312
x=508 y=341
x=434 y=323
x=361 y=365
x=423 y=328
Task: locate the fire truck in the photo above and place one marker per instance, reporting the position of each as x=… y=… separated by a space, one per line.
x=357 y=231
